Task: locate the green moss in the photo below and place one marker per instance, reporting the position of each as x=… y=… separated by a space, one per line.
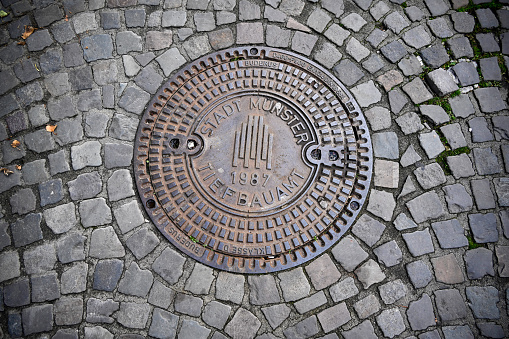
x=404 y=5
x=193 y=239
x=483 y=84
x=502 y=65
x=471 y=243
x=441 y=158
x=471 y=7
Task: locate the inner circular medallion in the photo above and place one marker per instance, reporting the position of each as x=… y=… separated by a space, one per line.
x=253 y=160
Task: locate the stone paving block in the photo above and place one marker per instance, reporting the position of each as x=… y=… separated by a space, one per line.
x=487 y=18
x=334 y=317
x=128 y=216
x=163 y=324
x=243 y=322
x=224 y=17
x=435 y=56
x=97 y=332
x=81 y=78
x=134 y=100
x=367 y=306
x=136 y=281
x=84 y=22
x=14 y=179
x=250 y=33
x=17 y=293
x=353 y=21
x=486 y=161
x=483 y=301
x=263 y=290
x=381 y=204
x=74 y=280
x=336 y=34
x=436 y=113
x=502 y=190
x=248 y=11
x=9 y=259
x=409 y=123
x=86 y=154
x=379 y=118
x=491 y=330
x=123 y=127
x=11 y=53
x=119 y=187
x=430 y=176
x=107 y=274
x=66 y=333
x=68 y=311
x=391 y=322
x=484 y=227
x=463 y=22
x=392 y=291
x=479 y=263
x=39 y=40
x=9 y=81
x=466 y=73
x=420 y=313
x=502 y=253
x=327 y=54
x=368 y=230
x=419 y=273
x=277 y=37
x=104 y=243
x=408 y=187
x=457 y=198
x=38 y=318
x=489 y=99
x=385 y=145
x=490 y=69
x=317 y=20
x=117 y=155
x=348 y=73
x=500 y=127
x=200 y=280
x=30 y=93
x=26 y=71
x=440 y=27
x=460 y=47
x=275 y=15
x=73 y=55
x=343 y=290
x=450 y=305
x=27 y=230
x=376 y=37
x=373 y=63
x=431 y=144
x=447 y=269
x=8 y=104
x=276 y=314
x=378 y=10
x=40 y=141
x=96 y=47
x=294 y=284
x=22 y=201
x=394 y=51
x=45 y=287
x=417 y=37
x=454 y=135
x=389 y=253
x=305 y=305
x=487 y=42
x=160 y=295
x=397 y=100
x=322 y=272
x=40 y=259
x=441 y=82
x=71 y=247
x=169 y=265
x=216 y=314
x=135 y=17
x=390 y=79
x=85 y=186
x=396 y=22
x=349 y=253
x=369 y=273
x=222 y=38
x=61 y=219
x=419 y=242
x=133 y=315
x=110 y=20
x=16 y=122
x=14 y=325
x=100 y=311
x=417 y=91
x=437 y=7
x=142 y=242
x=450 y=233
x=303 y=42
x=484 y=198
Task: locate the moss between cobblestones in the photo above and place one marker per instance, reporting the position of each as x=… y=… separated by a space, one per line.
x=471 y=7
x=441 y=158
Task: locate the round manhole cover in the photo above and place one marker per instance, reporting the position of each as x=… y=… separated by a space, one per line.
x=253 y=160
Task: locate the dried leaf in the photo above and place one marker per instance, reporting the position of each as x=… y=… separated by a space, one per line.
x=15 y=143
x=18 y=167
x=51 y=128
x=28 y=31
x=6 y=171
x=21 y=43
x=3 y=14
x=66 y=18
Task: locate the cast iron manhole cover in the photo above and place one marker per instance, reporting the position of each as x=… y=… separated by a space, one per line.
x=253 y=160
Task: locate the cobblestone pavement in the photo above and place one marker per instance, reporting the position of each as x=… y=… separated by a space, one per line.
x=427 y=258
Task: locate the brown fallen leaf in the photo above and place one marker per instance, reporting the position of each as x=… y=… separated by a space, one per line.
x=21 y=43
x=28 y=31
x=66 y=18
x=18 y=167
x=15 y=143
x=6 y=171
x=51 y=128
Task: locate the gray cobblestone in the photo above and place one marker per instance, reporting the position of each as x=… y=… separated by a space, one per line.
x=133 y=315
x=104 y=243
x=27 y=230
x=483 y=301
x=389 y=253
x=38 y=318
x=391 y=322
x=160 y=295
x=136 y=281
x=370 y=273
x=142 y=242
x=447 y=269
x=74 y=279
x=276 y=314
x=419 y=273
x=322 y=272
x=243 y=322
x=349 y=253
x=169 y=265
x=100 y=311
x=343 y=290
x=163 y=324
x=450 y=305
x=305 y=305
x=420 y=313
x=107 y=274
x=367 y=306
x=263 y=290
x=334 y=317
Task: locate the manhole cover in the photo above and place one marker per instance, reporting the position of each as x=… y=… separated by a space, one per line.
x=253 y=160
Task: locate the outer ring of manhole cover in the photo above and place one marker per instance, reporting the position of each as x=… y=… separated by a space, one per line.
x=253 y=159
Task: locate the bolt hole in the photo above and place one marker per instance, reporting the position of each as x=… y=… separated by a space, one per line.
x=191 y=144
x=253 y=51
x=316 y=154
x=354 y=205
x=333 y=155
x=174 y=143
x=151 y=203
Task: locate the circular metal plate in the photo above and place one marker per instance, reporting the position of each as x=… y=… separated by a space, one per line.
x=253 y=160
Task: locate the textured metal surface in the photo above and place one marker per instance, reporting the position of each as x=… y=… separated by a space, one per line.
x=253 y=160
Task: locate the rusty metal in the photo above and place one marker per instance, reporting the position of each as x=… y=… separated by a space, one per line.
x=253 y=160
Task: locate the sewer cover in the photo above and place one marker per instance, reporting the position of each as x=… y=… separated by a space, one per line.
x=253 y=160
